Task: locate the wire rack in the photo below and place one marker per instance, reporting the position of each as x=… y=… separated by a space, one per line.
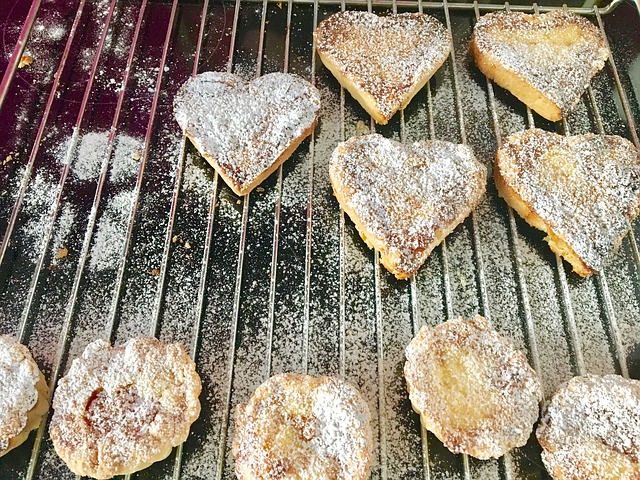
x=113 y=226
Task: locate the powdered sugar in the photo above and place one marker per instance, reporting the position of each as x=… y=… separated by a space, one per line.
x=18 y=377
x=358 y=43
x=109 y=236
x=591 y=428
x=556 y=53
x=243 y=128
x=130 y=403
x=585 y=187
x=406 y=196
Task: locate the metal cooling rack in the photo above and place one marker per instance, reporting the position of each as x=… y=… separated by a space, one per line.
x=278 y=280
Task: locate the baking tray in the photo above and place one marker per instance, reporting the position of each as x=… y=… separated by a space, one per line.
x=113 y=226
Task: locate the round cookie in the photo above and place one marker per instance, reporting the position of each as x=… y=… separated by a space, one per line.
x=299 y=426
x=120 y=409
x=472 y=388
x=591 y=429
x=23 y=394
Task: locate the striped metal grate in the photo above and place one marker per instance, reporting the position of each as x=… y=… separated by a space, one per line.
x=113 y=226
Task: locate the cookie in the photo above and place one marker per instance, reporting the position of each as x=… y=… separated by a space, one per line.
x=581 y=190
x=405 y=198
x=120 y=409
x=547 y=60
x=472 y=388
x=382 y=61
x=23 y=394
x=299 y=426
x=245 y=130
x=591 y=429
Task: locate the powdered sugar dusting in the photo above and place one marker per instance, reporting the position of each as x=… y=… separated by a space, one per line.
x=407 y=195
x=505 y=411
x=18 y=377
x=586 y=188
x=109 y=236
x=556 y=53
x=591 y=429
x=243 y=128
x=359 y=43
x=119 y=407
x=316 y=428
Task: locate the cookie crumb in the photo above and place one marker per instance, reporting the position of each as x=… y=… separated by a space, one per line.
x=61 y=253
x=25 y=61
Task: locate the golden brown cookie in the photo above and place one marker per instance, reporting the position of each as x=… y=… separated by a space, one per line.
x=245 y=130
x=382 y=61
x=405 y=198
x=591 y=429
x=472 y=388
x=547 y=61
x=23 y=394
x=304 y=427
x=581 y=190
x=120 y=409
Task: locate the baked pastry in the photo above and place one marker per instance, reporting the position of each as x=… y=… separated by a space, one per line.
x=581 y=190
x=382 y=61
x=246 y=130
x=591 y=429
x=298 y=426
x=23 y=394
x=472 y=388
x=547 y=60
x=120 y=409
x=405 y=198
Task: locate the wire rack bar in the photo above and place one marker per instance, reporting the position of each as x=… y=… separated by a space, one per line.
x=531 y=335
x=65 y=173
x=276 y=221
x=238 y=287
x=43 y=123
x=464 y=6
x=309 y=217
x=64 y=337
x=18 y=50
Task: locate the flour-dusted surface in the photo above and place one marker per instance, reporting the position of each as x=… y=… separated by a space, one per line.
x=591 y=429
x=586 y=188
x=303 y=427
x=121 y=408
x=556 y=53
x=386 y=57
x=19 y=375
x=244 y=128
x=406 y=196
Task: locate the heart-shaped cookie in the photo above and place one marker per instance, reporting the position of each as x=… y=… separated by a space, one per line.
x=581 y=190
x=382 y=61
x=245 y=130
x=405 y=198
x=547 y=61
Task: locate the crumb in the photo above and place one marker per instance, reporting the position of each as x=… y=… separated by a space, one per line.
x=361 y=128
x=259 y=189
x=187 y=245
x=7 y=160
x=61 y=253
x=174 y=239
x=155 y=272
x=25 y=61
x=238 y=202
x=136 y=156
